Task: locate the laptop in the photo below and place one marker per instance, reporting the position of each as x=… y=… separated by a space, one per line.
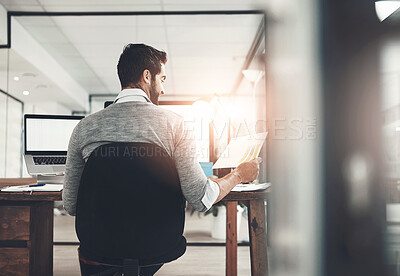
x=46 y=145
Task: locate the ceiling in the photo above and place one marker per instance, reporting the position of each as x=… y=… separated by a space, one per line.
x=205 y=52
x=127 y=5
x=41 y=88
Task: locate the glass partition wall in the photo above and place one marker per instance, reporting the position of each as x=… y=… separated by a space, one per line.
x=11 y=110
x=3 y=110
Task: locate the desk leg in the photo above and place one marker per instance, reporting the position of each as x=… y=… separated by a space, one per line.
x=231 y=238
x=258 y=238
x=42 y=225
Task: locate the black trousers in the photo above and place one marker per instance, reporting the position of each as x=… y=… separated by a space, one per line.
x=89 y=269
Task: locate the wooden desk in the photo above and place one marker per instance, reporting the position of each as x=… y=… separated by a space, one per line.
x=257 y=231
x=26 y=230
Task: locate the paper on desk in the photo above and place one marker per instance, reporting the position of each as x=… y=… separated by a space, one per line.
x=250 y=187
x=25 y=188
x=241 y=149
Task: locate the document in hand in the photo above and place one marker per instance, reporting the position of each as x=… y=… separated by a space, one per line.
x=34 y=188
x=241 y=149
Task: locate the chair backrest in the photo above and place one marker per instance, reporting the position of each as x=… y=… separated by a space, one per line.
x=130 y=205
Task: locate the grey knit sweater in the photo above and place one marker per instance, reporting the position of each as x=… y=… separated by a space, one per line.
x=135 y=122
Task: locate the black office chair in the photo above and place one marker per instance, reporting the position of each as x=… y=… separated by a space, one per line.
x=130 y=208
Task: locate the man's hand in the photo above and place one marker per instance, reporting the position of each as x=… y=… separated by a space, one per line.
x=248 y=171
x=245 y=172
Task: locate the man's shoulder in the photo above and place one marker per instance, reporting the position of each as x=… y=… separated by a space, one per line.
x=92 y=119
x=92 y=116
x=114 y=112
x=167 y=113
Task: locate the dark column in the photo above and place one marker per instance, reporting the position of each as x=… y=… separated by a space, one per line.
x=353 y=204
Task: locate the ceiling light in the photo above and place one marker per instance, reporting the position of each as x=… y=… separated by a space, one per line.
x=25 y=92
x=384 y=9
x=16 y=78
x=33 y=75
x=397 y=128
x=41 y=86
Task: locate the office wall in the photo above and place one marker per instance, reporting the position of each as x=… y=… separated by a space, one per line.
x=96 y=102
x=3 y=103
x=3 y=25
x=11 y=110
x=3 y=109
x=14 y=138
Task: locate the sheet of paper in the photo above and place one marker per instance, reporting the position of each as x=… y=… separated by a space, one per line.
x=45 y=188
x=250 y=187
x=241 y=149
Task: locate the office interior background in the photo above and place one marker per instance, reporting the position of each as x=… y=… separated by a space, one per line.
x=322 y=77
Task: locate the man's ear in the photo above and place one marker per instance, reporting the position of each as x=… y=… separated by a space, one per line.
x=146 y=76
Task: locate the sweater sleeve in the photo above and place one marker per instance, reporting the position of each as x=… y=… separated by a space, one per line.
x=74 y=168
x=193 y=180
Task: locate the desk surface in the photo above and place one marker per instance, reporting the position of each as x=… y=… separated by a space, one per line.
x=235 y=196
x=26 y=196
x=52 y=196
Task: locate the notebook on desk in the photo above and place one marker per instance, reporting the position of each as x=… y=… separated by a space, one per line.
x=34 y=188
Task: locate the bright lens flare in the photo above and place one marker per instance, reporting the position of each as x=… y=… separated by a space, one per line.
x=203 y=109
x=233 y=111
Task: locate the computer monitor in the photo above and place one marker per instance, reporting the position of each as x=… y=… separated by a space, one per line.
x=46 y=143
x=48 y=134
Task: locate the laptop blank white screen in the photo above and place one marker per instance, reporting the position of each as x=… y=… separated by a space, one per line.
x=48 y=134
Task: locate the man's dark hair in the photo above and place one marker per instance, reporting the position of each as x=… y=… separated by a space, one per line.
x=135 y=59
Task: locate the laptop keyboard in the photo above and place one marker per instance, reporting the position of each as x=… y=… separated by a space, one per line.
x=50 y=160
